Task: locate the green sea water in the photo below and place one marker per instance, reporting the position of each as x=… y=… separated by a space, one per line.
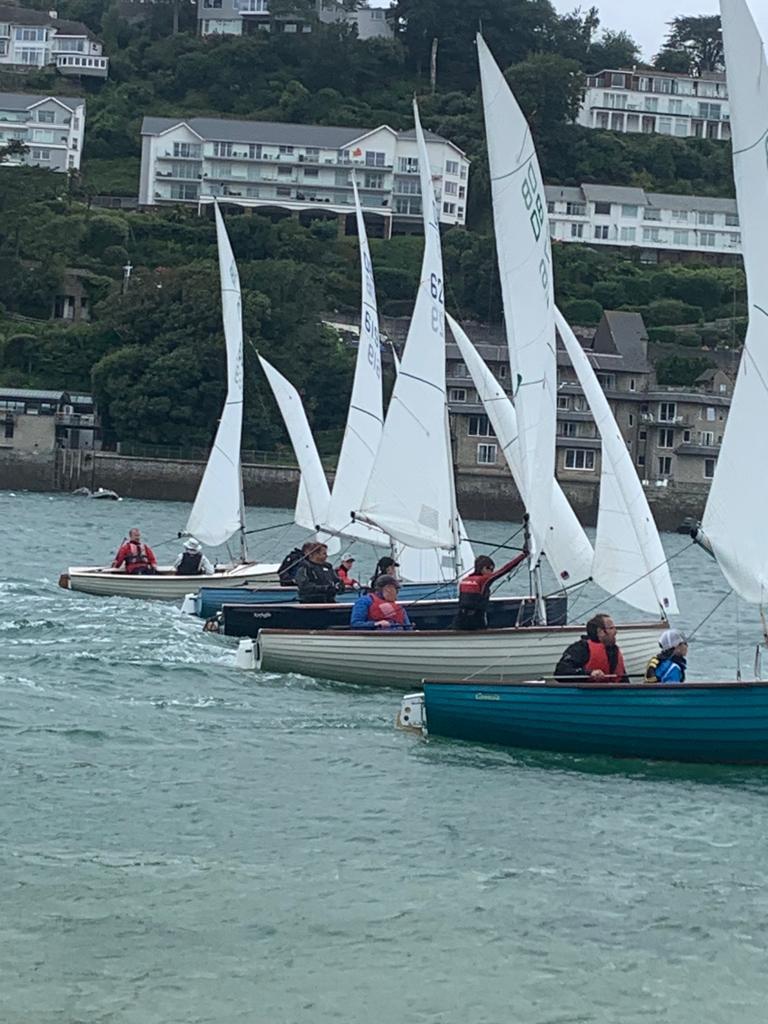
x=184 y=843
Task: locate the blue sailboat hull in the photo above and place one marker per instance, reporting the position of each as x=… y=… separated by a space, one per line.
x=247 y=620
x=210 y=600
x=713 y=723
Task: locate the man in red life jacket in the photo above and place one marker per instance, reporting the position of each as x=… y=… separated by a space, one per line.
x=379 y=609
x=475 y=591
x=596 y=655
x=139 y=559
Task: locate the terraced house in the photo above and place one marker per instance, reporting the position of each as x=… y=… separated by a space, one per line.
x=34 y=39
x=51 y=128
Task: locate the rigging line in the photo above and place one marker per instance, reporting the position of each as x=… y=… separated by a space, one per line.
x=275 y=526
x=709 y=615
x=644 y=576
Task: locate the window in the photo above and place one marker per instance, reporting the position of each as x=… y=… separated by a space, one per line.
x=449 y=208
x=579 y=458
x=666 y=437
x=312 y=154
x=8 y=427
x=30 y=35
x=563 y=402
x=451 y=188
x=451 y=166
x=665 y=465
x=284 y=172
x=641 y=460
x=628 y=234
x=283 y=191
x=706 y=217
x=311 y=172
x=41 y=154
x=711 y=413
x=632 y=385
x=602 y=208
x=601 y=231
x=187 y=149
x=707 y=239
x=675 y=106
x=457 y=394
x=710 y=111
x=709 y=468
x=617 y=80
x=628 y=210
x=486 y=454
x=642 y=435
x=48 y=117
x=680 y=237
x=479 y=426
x=667 y=412
x=567 y=428
x=680 y=215
x=665 y=126
x=286 y=150
x=607 y=381
x=184 y=191
x=222 y=149
x=707 y=438
x=575 y=209
x=651 y=103
x=577 y=230
x=408 y=164
x=732 y=220
x=651 y=235
x=651 y=213
x=373 y=159
x=631 y=420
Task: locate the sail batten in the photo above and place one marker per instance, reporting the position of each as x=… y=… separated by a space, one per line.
x=217 y=512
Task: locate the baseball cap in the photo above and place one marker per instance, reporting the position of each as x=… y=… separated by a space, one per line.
x=671 y=638
x=386 y=581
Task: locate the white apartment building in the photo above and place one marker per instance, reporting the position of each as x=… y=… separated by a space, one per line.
x=299 y=167
x=240 y=17
x=657 y=102
x=655 y=223
x=52 y=128
x=34 y=39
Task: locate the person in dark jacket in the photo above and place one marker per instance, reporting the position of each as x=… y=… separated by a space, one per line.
x=385 y=566
x=289 y=567
x=316 y=578
x=595 y=655
x=670 y=664
x=192 y=561
x=475 y=591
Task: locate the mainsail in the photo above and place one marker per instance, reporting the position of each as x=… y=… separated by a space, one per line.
x=410 y=490
x=734 y=518
x=566 y=546
x=525 y=268
x=629 y=559
x=218 y=509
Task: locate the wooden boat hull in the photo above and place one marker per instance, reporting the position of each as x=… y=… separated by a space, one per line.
x=247 y=620
x=164 y=586
x=209 y=601
x=403 y=660
x=713 y=723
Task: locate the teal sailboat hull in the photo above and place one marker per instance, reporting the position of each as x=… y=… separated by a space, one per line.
x=713 y=723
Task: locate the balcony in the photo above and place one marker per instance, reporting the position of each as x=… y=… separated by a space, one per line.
x=80 y=64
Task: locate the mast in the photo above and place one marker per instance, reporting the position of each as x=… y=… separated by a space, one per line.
x=243 y=541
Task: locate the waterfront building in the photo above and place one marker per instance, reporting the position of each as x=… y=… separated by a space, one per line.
x=660 y=226
x=300 y=168
x=241 y=17
x=42 y=421
x=33 y=39
x=657 y=102
x=51 y=127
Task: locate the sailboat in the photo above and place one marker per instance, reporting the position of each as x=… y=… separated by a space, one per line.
x=415 y=449
x=711 y=721
x=218 y=511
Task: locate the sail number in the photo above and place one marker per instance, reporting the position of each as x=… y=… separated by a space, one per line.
x=532 y=199
x=436 y=291
x=374 y=344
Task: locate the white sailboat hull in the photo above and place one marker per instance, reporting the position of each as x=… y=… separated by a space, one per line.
x=165 y=586
x=405 y=659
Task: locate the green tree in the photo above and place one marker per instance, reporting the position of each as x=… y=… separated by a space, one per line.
x=700 y=38
x=549 y=90
x=612 y=50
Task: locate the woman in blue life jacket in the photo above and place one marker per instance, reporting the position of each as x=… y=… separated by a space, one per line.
x=669 y=665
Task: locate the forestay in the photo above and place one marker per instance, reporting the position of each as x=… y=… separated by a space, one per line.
x=734 y=518
x=629 y=559
x=525 y=268
x=410 y=491
x=217 y=512
x=566 y=545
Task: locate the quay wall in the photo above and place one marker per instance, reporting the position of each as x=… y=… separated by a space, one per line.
x=481 y=495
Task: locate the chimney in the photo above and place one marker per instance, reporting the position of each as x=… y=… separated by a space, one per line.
x=53 y=15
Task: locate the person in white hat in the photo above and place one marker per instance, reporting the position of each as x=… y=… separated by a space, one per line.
x=344 y=572
x=669 y=665
x=192 y=561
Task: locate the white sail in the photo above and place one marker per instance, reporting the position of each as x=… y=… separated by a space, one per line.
x=734 y=518
x=566 y=545
x=365 y=417
x=314 y=494
x=410 y=491
x=525 y=268
x=629 y=559
x=217 y=511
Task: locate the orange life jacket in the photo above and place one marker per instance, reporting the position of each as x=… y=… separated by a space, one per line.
x=598 y=658
x=380 y=609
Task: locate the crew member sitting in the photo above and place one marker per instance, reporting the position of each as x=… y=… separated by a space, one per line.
x=343 y=571
x=379 y=609
x=286 y=571
x=139 y=559
x=384 y=567
x=596 y=655
x=475 y=591
x=192 y=561
x=316 y=580
x=669 y=665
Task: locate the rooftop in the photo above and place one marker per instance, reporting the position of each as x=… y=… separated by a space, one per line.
x=24 y=16
x=25 y=100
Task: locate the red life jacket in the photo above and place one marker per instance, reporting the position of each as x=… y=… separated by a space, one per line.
x=598 y=658
x=380 y=609
x=137 y=557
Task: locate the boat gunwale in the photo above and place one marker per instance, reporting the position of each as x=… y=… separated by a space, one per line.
x=466 y=634
x=632 y=687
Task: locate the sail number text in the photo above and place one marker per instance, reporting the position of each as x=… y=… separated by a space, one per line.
x=436 y=291
x=374 y=344
x=533 y=203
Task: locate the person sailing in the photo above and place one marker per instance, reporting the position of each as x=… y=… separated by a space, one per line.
x=138 y=558
x=380 y=609
x=669 y=665
x=385 y=566
x=595 y=655
x=343 y=571
x=475 y=591
x=191 y=561
x=316 y=579
x=290 y=565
